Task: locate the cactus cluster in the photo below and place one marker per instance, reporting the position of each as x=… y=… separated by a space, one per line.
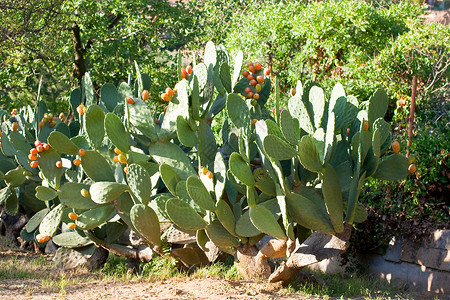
x=119 y=166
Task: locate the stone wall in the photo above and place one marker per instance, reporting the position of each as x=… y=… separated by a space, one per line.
x=421 y=266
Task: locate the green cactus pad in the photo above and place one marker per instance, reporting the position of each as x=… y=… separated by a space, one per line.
x=210 y=54
x=226 y=216
x=317 y=105
x=170 y=178
x=185 y=133
x=202 y=239
x=106 y=192
x=19 y=142
x=220 y=236
x=290 y=127
x=5 y=193
x=199 y=194
x=15 y=177
x=71 y=239
x=70 y=195
x=195 y=104
x=245 y=227
x=309 y=155
x=376 y=143
x=141 y=118
x=237 y=66
x=241 y=169
x=360 y=213
x=384 y=128
x=61 y=143
x=12 y=204
x=264 y=220
x=378 y=105
x=329 y=138
x=299 y=111
x=139 y=182
x=306 y=213
x=277 y=148
x=272 y=128
x=146 y=223
x=264 y=182
x=351 y=110
x=183 y=215
x=182 y=193
x=96 y=167
x=238 y=111
x=44 y=193
x=50 y=222
x=116 y=132
x=172 y=155
x=36 y=219
x=207 y=147
x=219 y=175
x=93 y=218
x=75 y=101
x=393 y=167
x=225 y=76
x=109 y=96
x=333 y=197
x=87 y=90
x=179 y=106
x=47 y=164
x=95 y=129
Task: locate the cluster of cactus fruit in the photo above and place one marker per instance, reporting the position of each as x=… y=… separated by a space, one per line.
x=118 y=166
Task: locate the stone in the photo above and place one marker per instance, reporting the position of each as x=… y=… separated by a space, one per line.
x=394 y=250
x=251 y=264
x=440 y=239
x=437 y=259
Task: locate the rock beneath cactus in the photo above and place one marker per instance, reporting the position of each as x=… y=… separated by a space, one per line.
x=214 y=254
x=90 y=256
x=251 y=264
x=274 y=248
x=50 y=248
x=98 y=259
x=191 y=256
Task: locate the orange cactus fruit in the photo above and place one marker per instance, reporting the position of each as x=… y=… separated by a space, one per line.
x=80 y=109
x=204 y=171
x=37 y=143
x=189 y=69
x=145 y=95
x=183 y=73
x=32 y=157
x=122 y=158
x=58 y=164
x=252 y=69
x=258 y=88
x=253 y=82
x=366 y=126
x=257 y=66
x=81 y=152
x=256 y=96
x=41 y=125
x=72 y=225
x=412 y=168
x=42 y=238
x=260 y=79
x=125 y=169
x=267 y=71
x=170 y=92
x=293 y=92
x=33 y=151
x=166 y=97
x=254 y=121
x=245 y=73
x=61 y=116
x=116 y=158
x=73 y=216
x=46 y=146
x=34 y=164
x=40 y=148
x=210 y=175
x=250 y=77
x=130 y=100
x=117 y=151
x=84 y=110
x=84 y=193
x=250 y=95
x=76 y=162
x=15 y=126
x=248 y=90
x=396 y=147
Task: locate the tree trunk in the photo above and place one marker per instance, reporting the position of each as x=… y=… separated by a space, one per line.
x=79 y=67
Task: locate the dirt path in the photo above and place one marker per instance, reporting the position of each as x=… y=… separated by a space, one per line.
x=174 y=288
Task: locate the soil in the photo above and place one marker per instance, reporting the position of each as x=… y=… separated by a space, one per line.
x=173 y=288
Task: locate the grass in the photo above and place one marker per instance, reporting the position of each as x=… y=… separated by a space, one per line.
x=345 y=286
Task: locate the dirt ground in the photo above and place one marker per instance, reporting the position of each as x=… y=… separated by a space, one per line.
x=173 y=288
